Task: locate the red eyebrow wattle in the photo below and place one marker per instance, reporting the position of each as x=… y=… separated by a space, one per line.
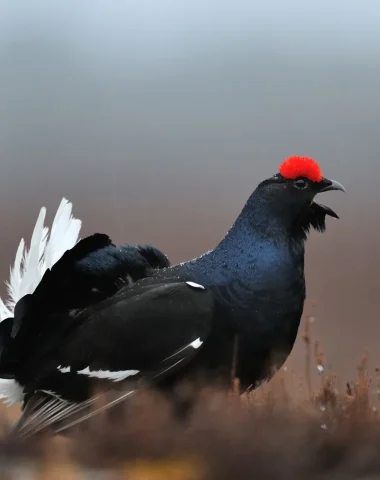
x=296 y=166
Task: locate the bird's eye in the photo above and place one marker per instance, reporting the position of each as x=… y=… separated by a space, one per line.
x=300 y=184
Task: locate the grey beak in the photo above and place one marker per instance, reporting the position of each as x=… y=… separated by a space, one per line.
x=328 y=185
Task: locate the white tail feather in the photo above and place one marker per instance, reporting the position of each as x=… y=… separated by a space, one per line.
x=4 y=311
x=10 y=391
x=44 y=251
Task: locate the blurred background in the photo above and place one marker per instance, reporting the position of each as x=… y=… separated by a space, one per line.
x=157 y=119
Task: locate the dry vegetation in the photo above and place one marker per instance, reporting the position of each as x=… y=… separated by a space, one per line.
x=288 y=429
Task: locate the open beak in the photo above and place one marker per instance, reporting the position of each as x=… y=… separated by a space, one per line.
x=328 y=210
x=327 y=185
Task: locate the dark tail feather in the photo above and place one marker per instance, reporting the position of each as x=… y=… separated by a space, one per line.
x=5 y=340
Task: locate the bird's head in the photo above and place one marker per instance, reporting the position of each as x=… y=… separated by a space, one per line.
x=292 y=191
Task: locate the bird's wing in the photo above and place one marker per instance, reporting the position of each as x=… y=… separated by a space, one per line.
x=91 y=271
x=146 y=334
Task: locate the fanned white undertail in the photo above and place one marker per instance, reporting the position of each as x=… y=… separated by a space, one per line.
x=44 y=251
x=30 y=265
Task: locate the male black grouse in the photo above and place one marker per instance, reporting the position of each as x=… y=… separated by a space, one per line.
x=105 y=316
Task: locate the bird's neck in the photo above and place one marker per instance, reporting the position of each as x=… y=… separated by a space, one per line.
x=263 y=216
x=260 y=240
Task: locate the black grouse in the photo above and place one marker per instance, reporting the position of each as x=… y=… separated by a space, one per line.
x=119 y=316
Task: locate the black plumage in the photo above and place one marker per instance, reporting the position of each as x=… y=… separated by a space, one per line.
x=106 y=315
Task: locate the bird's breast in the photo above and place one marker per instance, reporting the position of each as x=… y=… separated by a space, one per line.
x=260 y=282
